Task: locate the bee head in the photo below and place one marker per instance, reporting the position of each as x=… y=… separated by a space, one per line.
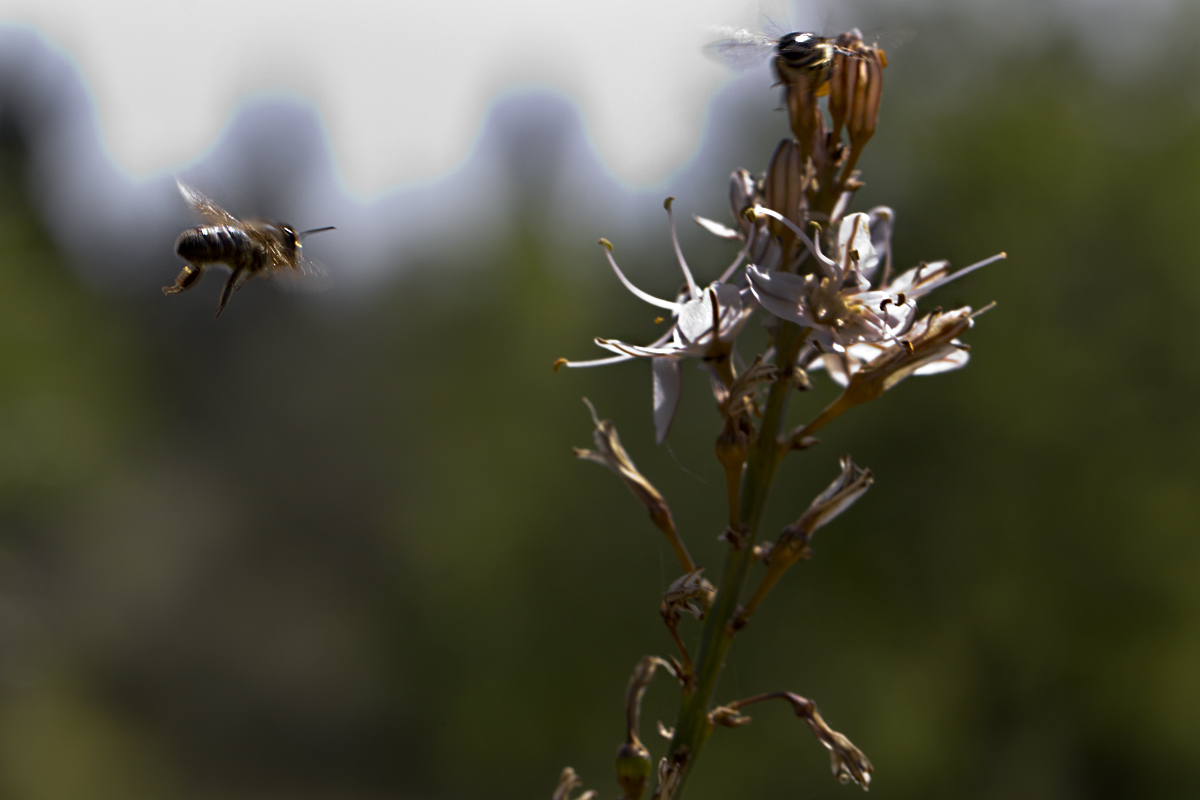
x=797 y=48
x=288 y=240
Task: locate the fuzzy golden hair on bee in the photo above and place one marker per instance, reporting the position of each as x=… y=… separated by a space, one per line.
x=245 y=247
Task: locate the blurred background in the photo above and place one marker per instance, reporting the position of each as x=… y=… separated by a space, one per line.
x=335 y=544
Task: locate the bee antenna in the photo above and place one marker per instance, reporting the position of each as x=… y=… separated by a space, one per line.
x=302 y=234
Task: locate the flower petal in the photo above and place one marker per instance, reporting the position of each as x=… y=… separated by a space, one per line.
x=882 y=219
x=955 y=359
x=855 y=251
x=667 y=385
x=716 y=228
x=780 y=293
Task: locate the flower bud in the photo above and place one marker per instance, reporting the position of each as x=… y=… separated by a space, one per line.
x=743 y=194
x=633 y=769
x=784 y=191
x=855 y=89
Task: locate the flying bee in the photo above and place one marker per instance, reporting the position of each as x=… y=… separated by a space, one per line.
x=247 y=248
x=796 y=53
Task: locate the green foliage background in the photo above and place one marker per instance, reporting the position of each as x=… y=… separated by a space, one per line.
x=342 y=549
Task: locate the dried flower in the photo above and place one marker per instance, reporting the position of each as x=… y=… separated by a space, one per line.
x=690 y=586
x=847 y=761
x=792 y=544
x=611 y=454
x=850 y=485
x=569 y=782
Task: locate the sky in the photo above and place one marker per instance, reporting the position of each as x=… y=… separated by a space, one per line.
x=401 y=87
x=395 y=98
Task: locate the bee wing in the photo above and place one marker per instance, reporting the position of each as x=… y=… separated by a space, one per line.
x=211 y=213
x=741 y=50
x=306 y=277
x=889 y=39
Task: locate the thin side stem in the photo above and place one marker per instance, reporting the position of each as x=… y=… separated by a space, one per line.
x=666 y=523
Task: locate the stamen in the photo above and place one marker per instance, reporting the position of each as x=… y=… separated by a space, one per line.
x=810 y=243
x=597 y=362
x=716 y=316
x=737 y=262
x=942 y=281
x=984 y=310
x=613 y=344
x=839 y=209
x=649 y=298
x=687 y=273
x=851 y=253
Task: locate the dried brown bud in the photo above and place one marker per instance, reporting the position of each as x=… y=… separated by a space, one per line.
x=855 y=88
x=802 y=88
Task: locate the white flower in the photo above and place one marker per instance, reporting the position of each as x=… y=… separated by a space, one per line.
x=837 y=303
x=852 y=323
x=912 y=284
x=706 y=323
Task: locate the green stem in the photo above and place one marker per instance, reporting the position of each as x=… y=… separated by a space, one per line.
x=692 y=728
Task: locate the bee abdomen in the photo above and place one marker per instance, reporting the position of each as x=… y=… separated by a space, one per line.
x=211 y=243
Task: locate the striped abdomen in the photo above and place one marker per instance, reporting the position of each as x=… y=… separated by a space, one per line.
x=212 y=243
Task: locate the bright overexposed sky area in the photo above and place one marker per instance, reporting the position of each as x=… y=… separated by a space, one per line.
x=402 y=87
x=395 y=96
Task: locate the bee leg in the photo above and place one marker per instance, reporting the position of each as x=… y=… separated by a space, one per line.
x=186 y=279
x=230 y=285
